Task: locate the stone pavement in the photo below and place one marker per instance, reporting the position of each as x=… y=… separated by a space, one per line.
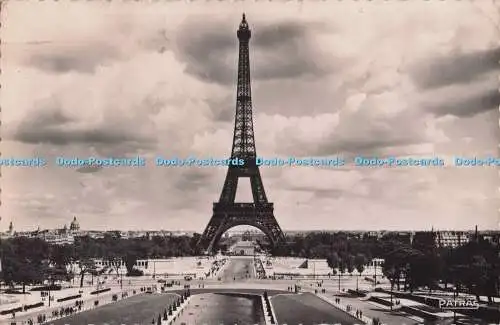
x=383 y=313
x=87 y=299
x=34 y=297
x=11 y=301
x=369 y=309
x=348 y=308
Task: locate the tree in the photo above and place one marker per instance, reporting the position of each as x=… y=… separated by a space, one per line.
x=476 y=267
x=115 y=263
x=350 y=266
x=478 y=275
x=333 y=260
x=23 y=261
x=425 y=265
x=61 y=255
x=130 y=260
x=342 y=266
x=360 y=262
x=23 y=271
x=87 y=266
x=447 y=266
x=56 y=273
x=397 y=256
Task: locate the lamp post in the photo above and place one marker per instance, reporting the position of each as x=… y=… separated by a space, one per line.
x=50 y=284
x=455 y=293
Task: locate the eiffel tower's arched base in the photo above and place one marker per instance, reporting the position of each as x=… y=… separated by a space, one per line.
x=227 y=216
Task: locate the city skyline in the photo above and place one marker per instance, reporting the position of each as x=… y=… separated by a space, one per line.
x=165 y=84
x=238 y=229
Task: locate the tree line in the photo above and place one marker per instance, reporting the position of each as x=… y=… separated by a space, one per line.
x=32 y=261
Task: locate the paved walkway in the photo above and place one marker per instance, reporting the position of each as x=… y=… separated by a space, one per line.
x=372 y=310
x=88 y=303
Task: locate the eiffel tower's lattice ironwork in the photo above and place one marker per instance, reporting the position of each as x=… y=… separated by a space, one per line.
x=227 y=213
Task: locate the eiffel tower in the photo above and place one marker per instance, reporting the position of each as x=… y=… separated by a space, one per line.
x=227 y=213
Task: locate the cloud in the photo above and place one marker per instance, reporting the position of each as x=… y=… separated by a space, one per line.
x=52 y=126
x=89 y=169
x=282 y=50
x=484 y=101
x=80 y=58
x=456 y=68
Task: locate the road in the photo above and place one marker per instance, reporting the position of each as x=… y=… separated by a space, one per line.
x=139 y=309
x=307 y=309
x=238 y=269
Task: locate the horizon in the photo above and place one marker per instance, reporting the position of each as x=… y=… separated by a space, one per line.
x=257 y=230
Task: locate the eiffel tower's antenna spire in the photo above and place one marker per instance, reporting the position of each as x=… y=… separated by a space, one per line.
x=244 y=23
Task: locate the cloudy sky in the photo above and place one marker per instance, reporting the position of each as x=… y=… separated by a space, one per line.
x=412 y=79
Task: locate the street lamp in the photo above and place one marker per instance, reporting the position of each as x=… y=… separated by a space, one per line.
x=455 y=295
x=50 y=284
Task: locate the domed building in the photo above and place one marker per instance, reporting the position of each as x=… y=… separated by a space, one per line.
x=74 y=226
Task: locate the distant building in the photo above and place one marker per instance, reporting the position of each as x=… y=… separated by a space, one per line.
x=452 y=239
x=57 y=237
x=246 y=236
x=250 y=236
x=493 y=238
x=74 y=226
x=92 y=234
x=101 y=263
x=405 y=237
x=64 y=236
x=376 y=262
x=373 y=234
x=243 y=248
x=9 y=233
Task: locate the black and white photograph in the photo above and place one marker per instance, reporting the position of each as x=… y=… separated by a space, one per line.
x=241 y=162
